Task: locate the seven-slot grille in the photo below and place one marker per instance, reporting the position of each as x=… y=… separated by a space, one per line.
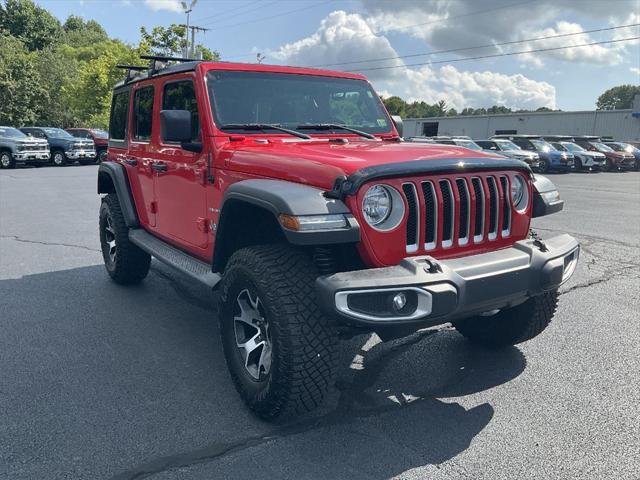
x=473 y=209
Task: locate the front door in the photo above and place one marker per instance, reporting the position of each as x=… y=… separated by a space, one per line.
x=181 y=176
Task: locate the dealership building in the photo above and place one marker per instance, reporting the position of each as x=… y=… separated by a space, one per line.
x=620 y=124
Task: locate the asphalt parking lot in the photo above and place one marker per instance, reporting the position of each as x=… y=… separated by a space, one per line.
x=100 y=381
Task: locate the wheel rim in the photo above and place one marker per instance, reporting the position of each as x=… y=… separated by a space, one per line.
x=544 y=166
x=5 y=160
x=110 y=239
x=57 y=158
x=252 y=335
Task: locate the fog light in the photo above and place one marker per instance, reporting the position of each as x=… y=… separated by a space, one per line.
x=399 y=301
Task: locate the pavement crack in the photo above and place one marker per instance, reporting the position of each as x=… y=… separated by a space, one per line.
x=55 y=244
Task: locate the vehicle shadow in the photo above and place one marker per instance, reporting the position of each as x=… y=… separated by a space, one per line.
x=103 y=381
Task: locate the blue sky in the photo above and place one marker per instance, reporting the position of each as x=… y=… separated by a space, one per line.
x=330 y=32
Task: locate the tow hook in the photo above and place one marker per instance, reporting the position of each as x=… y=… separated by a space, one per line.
x=431 y=266
x=537 y=241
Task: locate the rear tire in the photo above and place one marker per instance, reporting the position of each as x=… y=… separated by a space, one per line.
x=514 y=325
x=6 y=160
x=274 y=286
x=125 y=262
x=578 y=165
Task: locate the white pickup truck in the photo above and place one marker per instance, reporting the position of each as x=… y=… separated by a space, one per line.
x=16 y=147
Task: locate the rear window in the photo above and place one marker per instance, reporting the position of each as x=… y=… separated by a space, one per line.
x=142 y=113
x=119 y=114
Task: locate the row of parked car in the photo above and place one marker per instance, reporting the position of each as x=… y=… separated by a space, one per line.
x=554 y=152
x=49 y=145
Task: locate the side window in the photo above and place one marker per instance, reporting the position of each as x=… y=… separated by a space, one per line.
x=119 y=114
x=142 y=113
x=38 y=134
x=182 y=96
x=523 y=144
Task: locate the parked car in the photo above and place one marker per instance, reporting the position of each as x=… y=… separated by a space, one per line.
x=614 y=160
x=64 y=146
x=420 y=140
x=510 y=149
x=312 y=230
x=18 y=148
x=583 y=159
x=628 y=148
x=100 y=139
x=550 y=158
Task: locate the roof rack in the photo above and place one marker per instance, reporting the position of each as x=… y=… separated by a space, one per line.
x=158 y=62
x=130 y=69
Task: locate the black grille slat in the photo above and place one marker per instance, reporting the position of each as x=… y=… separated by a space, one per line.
x=506 y=206
x=493 y=205
x=479 y=210
x=463 y=219
x=430 y=214
x=412 y=220
x=447 y=214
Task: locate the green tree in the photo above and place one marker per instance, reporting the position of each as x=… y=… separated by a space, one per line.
x=395 y=105
x=617 y=98
x=81 y=33
x=31 y=24
x=20 y=89
x=442 y=108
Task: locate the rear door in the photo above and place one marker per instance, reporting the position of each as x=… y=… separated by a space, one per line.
x=181 y=175
x=141 y=148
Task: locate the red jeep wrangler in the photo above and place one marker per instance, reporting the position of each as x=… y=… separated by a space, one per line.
x=290 y=191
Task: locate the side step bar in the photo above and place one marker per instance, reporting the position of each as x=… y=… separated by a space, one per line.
x=183 y=262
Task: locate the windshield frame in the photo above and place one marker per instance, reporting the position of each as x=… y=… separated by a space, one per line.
x=12 y=131
x=601 y=147
x=388 y=130
x=540 y=145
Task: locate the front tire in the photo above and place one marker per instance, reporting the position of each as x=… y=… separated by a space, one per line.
x=125 y=262
x=514 y=325
x=58 y=158
x=101 y=157
x=543 y=166
x=279 y=347
x=6 y=160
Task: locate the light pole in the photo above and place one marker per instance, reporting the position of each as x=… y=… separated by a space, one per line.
x=188 y=9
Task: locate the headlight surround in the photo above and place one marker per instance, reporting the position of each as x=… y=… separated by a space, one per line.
x=382 y=207
x=519 y=193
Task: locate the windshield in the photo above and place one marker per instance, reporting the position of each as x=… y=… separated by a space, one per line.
x=573 y=147
x=602 y=147
x=468 y=144
x=559 y=147
x=57 y=133
x=11 y=132
x=507 y=145
x=542 y=146
x=100 y=133
x=293 y=101
x=618 y=147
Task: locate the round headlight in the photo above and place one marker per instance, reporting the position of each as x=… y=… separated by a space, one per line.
x=519 y=193
x=376 y=205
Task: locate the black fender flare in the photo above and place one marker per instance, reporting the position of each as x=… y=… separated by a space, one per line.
x=542 y=205
x=120 y=185
x=288 y=198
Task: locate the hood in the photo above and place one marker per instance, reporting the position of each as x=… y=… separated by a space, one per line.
x=521 y=153
x=30 y=141
x=319 y=162
x=593 y=154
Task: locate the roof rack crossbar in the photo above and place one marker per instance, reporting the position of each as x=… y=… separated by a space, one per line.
x=130 y=69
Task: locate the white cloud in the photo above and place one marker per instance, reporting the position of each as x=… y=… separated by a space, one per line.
x=341 y=38
x=170 y=5
x=635 y=70
x=344 y=37
x=450 y=24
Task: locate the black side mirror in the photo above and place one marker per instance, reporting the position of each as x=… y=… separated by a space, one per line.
x=175 y=125
x=397 y=121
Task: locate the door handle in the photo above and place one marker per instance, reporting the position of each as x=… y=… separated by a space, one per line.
x=159 y=166
x=131 y=161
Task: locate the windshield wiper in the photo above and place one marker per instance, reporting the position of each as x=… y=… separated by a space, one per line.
x=334 y=126
x=263 y=126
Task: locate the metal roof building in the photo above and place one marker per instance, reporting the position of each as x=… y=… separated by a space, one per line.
x=620 y=124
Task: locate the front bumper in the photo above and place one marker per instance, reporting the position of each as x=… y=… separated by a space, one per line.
x=79 y=154
x=35 y=156
x=448 y=290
